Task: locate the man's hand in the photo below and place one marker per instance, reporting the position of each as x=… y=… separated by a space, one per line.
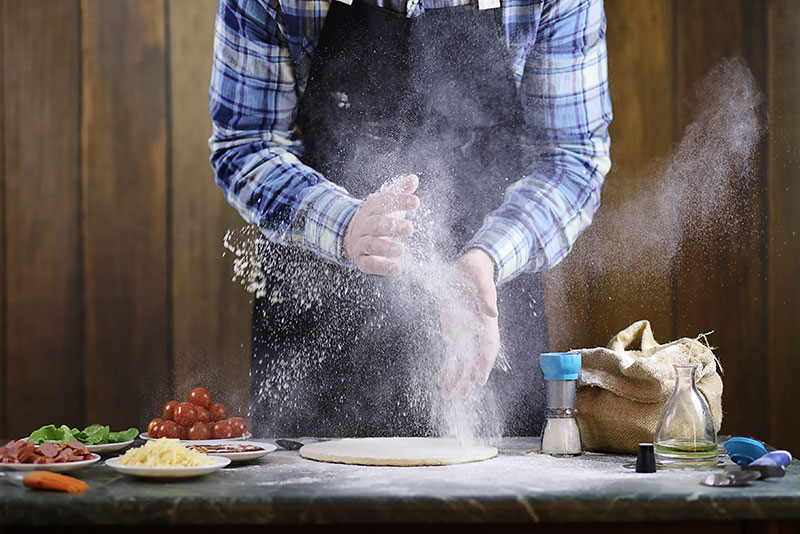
x=468 y=313
x=368 y=238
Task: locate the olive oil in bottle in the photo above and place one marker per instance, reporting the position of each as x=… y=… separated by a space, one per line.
x=686 y=453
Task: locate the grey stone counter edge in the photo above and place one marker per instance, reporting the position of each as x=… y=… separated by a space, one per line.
x=395 y=511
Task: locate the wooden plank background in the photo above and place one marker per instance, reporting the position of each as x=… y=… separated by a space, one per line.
x=726 y=267
x=115 y=293
x=211 y=315
x=784 y=217
x=124 y=170
x=3 y=221
x=42 y=211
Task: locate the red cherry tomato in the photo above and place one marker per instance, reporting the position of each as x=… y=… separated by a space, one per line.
x=217 y=412
x=199 y=431
x=222 y=430
x=156 y=431
x=152 y=425
x=170 y=429
x=238 y=426
x=200 y=397
x=201 y=415
x=183 y=432
x=185 y=414
x=169 y=410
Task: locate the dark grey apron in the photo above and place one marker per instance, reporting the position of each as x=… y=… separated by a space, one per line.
x=340 y=353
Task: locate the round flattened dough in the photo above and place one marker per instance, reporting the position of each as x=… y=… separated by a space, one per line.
x=396 y=451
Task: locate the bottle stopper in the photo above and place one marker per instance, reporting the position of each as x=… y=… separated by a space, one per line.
x=646 y=458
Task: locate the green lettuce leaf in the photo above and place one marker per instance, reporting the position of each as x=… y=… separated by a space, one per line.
x=91 y=435
x=66 y=433
x=46 y=433
x=123 y=435
x=96 y=434
x=93 y=429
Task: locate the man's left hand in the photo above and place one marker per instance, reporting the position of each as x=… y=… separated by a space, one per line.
x=468 y=313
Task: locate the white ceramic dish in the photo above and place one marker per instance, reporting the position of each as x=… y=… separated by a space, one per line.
x=55 y=468
x=168 y=472
x=266 y=448
x=247 y=435
x=109 y=447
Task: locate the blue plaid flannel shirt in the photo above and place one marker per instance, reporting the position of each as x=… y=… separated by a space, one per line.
x=262 y=55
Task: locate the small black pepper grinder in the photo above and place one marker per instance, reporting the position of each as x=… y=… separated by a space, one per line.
x=646 y=458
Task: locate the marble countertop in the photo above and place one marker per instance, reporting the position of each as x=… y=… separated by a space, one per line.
x=516 y=487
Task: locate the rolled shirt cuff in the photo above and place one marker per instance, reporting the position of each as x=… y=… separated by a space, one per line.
x=506 y=245
x=327 y=210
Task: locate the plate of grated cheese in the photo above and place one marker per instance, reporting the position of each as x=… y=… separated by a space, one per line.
x=166 y=458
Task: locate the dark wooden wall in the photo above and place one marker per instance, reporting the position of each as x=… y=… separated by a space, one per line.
x=115 y=293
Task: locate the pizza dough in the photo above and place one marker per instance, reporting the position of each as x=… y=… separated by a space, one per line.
x=396 y=451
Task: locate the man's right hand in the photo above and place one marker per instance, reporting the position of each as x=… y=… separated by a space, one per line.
x=369 y=238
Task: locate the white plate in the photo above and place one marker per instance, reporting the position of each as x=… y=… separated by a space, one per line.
x=55 y=468
x=109 y=447
x=266 y=448
x=247 y=435
x=168 y=472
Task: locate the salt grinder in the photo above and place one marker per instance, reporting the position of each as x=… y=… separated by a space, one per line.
x=561 y=436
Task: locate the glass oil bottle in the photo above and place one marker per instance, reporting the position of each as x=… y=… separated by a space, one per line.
x=686 y=435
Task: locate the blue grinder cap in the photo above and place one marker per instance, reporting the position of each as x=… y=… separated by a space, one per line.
x=744 y=450
x=560 y=365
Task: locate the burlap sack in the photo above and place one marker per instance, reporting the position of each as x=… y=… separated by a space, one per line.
x=622 y=389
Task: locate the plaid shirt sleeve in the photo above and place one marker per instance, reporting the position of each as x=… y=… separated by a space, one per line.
x=255 y=147
x=564 y=91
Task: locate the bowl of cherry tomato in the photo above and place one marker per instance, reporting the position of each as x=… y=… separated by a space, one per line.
x=197 y=419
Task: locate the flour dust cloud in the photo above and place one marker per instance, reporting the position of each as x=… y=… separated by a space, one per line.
x=299 y=297
x=693 y=198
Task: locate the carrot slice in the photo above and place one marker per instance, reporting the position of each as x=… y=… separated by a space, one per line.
x=54 y=481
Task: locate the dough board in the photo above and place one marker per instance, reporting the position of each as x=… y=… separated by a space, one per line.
x=397 y=451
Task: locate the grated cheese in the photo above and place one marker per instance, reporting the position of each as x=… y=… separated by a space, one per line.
x=164 y=452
